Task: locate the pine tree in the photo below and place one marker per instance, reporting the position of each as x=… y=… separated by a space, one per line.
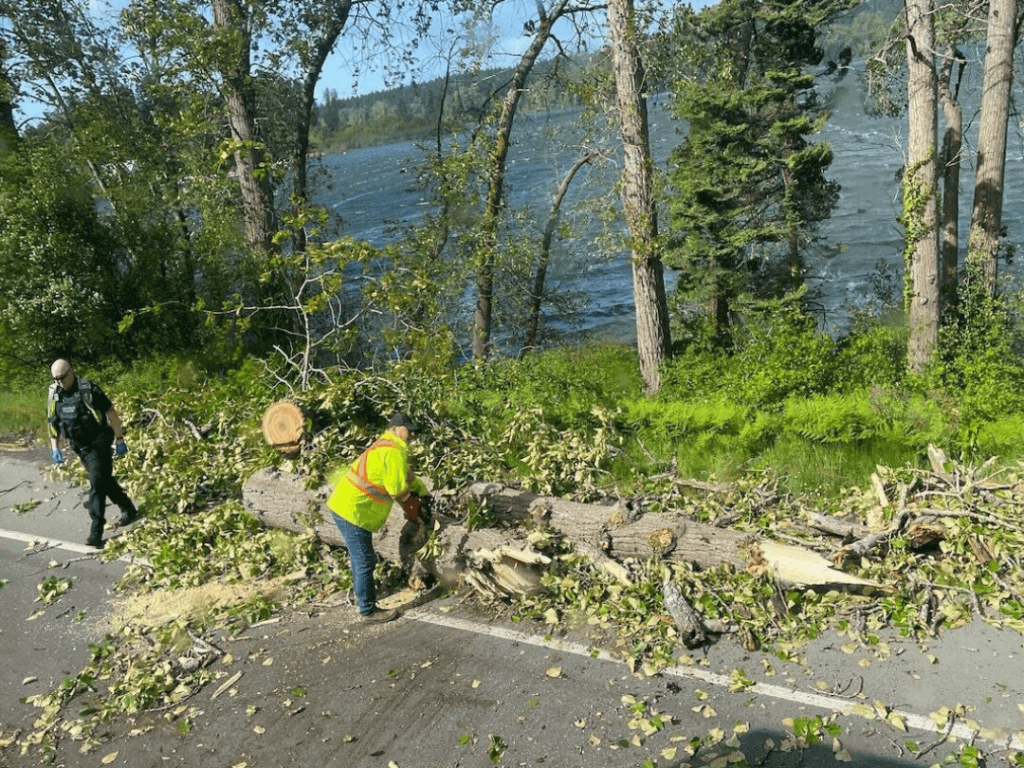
x=747 y=187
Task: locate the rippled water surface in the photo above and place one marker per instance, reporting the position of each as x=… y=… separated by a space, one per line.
x=373 y=191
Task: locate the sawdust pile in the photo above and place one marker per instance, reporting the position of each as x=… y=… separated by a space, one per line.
x=167 y=606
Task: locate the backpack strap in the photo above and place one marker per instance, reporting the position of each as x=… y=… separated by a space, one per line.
x=85 y=387
x=51 y=410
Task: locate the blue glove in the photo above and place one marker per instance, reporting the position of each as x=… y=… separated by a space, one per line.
x=57 y=456
x=121 y=448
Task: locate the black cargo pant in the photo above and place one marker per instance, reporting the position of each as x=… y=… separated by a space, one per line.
x=99 y=464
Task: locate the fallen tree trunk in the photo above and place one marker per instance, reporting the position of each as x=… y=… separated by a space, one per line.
x=608 y=534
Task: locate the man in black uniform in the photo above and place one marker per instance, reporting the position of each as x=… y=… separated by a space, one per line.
x=81 y=413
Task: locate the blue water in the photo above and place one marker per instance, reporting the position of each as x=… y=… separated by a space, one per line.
x=373 y=193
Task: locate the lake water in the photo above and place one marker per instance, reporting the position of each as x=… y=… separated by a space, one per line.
x=372 y=190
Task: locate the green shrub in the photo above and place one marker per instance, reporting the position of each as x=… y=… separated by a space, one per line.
x=874 y=352
x=981 y=351
x=777 y=354
x=782 y=361
x=1001 y=437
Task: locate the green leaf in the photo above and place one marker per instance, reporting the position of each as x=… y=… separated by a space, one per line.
x=496 y=749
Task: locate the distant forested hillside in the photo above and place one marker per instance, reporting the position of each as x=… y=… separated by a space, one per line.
x=413 y=112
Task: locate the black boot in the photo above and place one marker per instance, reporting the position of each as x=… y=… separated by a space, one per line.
x=128 y=516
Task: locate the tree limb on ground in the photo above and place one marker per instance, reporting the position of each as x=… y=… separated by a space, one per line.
x=499 y=558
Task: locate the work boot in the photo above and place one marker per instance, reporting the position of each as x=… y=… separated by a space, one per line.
x=94 y=541
x=379 y=615
x=128 y=516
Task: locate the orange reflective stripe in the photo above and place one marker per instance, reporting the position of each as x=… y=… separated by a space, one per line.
x=358 y=477
x=375 y=492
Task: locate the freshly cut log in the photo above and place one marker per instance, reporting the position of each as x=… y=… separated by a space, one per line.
x=284 y=427
x=280 y=499
x=607 y=533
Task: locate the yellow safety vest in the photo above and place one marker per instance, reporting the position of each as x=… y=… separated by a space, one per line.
x=364 y=491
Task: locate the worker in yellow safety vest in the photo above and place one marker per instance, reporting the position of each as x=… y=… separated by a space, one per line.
x=361 y=502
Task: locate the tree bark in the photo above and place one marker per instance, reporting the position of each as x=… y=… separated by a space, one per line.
x=238 y=93
x=500 y=559
x=638 y=203
x=987 y=214
x=952 y=143
x=920 y=203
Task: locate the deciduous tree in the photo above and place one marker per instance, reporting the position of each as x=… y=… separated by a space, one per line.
x=544 y=257
x=228 y=54
x=957 y=25
x=494 y=175
x=58 y=260
x=920 y=185
x=987 y=213
x=638 y=201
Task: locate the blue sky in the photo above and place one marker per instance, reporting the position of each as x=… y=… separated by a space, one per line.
x=504 y=48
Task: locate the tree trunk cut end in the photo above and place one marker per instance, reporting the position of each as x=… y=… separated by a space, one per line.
x=284 y=427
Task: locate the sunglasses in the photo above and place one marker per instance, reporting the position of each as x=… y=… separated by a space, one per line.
x=62 y=379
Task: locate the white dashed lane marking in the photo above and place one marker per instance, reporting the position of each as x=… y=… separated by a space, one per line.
x=43 y=543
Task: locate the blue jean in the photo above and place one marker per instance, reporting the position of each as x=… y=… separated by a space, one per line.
x=363 y=559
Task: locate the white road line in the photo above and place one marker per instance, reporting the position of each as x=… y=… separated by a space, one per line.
x=1000 y=737
x=46 y=543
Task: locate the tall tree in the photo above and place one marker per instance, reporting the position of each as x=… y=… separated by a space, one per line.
x=952 y=145
x=544 y=257
x=747 y=187
x=495 y=172
x=231 y=44
x=58 y=258
x=97 y=125
x=956 y=25
x=310 y=32
x=920 y=185
x=987 y=213
x=638 y=201
x=313 y=53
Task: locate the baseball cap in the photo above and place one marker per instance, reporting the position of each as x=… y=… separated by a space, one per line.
x=401 y=420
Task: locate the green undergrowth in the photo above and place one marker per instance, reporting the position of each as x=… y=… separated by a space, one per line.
x=21 y=413
x=781 y=425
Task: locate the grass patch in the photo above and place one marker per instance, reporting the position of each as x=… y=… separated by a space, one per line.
x=824 y=470
x=23 y=410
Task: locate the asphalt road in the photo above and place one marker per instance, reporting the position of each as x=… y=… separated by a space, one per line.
x=449 y=685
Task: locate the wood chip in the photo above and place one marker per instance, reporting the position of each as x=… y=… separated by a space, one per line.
x=230 y=681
